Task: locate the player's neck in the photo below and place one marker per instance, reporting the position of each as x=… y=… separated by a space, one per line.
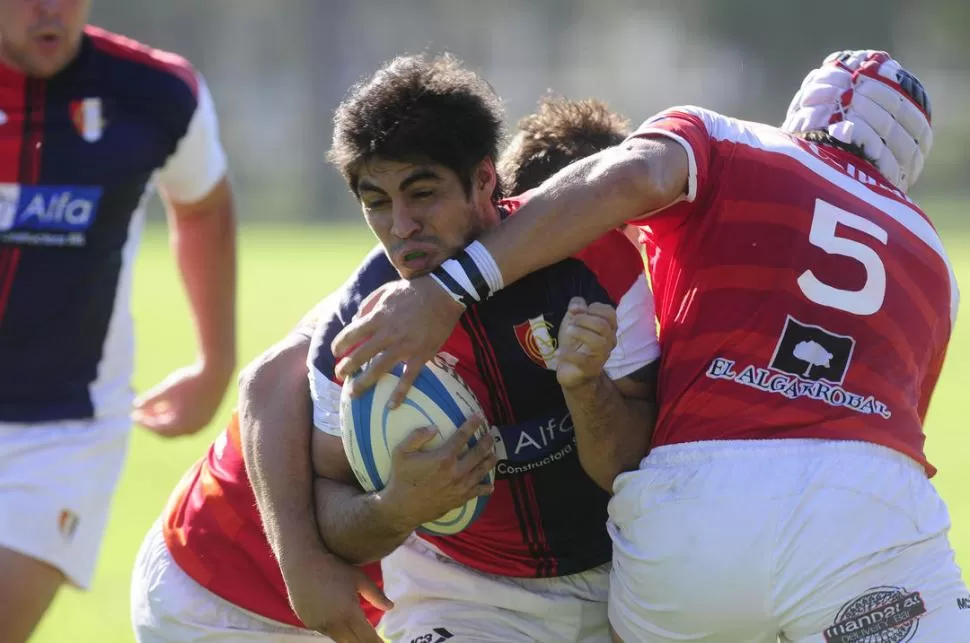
x=10 y=64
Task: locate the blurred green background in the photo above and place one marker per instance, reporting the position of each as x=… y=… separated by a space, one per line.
x=277 y=70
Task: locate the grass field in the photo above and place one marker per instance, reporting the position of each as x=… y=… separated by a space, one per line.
x=283 y=272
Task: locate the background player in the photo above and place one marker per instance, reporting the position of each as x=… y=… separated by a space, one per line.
x=559 y=132
x=805 y=306
x=89 y=118
x=416 y=144
x=240 y=569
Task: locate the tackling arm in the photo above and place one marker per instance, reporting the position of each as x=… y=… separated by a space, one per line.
x=358 y=526
x=585 y=200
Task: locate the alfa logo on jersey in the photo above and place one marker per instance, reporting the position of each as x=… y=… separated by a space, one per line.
x=531 y=445
x=87 y=115
x=54 y=208
x=536 y=339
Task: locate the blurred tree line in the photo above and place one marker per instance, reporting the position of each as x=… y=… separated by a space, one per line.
x=278 y=69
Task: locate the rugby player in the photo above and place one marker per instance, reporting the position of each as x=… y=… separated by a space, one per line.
x=268 y=576
x=87 y=120
x=416 y=144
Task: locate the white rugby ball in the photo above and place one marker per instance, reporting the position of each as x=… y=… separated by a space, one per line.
x=371 y=431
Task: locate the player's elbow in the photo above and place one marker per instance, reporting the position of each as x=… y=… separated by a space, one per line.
x=274 y=379
x=642 y=175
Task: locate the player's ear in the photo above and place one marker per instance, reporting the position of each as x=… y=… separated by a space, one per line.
x=485 y=177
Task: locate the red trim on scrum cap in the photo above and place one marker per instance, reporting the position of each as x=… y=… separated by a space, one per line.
x=870 y=68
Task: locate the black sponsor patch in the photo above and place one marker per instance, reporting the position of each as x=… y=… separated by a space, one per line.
x=880 y=615
x=812 y=353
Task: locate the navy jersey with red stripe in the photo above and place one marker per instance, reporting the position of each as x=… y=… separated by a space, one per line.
x=545 y=517
x=78 y=152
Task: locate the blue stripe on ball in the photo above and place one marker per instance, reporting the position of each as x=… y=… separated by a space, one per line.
x=362 y=407
x=431 y=386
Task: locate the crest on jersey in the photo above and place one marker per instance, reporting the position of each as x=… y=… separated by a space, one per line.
x=536 y=339
x=67 y=523
x=87 y=115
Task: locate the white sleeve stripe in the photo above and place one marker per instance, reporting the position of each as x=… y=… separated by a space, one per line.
x=199 y=161
x=636 y=336
x=691 y=159
x=326 y=402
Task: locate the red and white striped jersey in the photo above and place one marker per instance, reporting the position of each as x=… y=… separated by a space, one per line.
x=799 y=294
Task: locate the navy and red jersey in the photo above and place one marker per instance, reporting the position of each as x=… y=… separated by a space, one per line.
x=546 y=517
x=212 y=525
x=78 y=152
x=799 y=294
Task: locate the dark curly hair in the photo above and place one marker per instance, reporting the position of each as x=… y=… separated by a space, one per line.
x=419 y=109
x=821 y=137
x=559 y=132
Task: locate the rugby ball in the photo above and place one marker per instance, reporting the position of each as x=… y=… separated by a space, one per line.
x=371 y=431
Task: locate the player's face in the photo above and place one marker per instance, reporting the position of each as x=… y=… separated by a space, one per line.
x=421 y=212
x=40 y=37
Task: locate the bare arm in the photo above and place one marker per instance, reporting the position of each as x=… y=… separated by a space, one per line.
x=355 y=525
x=275 y=426
x=203 y=239
x=585 y=200
x=613 y=421
x=423 y=486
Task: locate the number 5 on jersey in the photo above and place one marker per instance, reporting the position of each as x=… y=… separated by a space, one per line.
x=869 y=299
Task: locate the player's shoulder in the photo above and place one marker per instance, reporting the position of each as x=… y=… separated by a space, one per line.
x=717 y=126
x=333 y=313
x=175 y=73
x=614 y=261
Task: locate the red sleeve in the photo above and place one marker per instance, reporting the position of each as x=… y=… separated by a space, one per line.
x=616 y=263
x=691 y=128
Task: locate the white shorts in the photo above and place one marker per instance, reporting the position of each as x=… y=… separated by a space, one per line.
x=438 y=600
x=168 y=606
x=802 y=540
x=56 y=484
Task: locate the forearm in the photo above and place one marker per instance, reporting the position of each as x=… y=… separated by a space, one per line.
x=613 y=432
x=204 y=245
x=569 y=211
x=356 y=526
x=275 y=423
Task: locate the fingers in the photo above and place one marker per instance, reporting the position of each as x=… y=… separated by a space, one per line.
x=153 y=396
x=477 y=474
x=412 y=368
x=604 y=311
x=357 y=344
x=577 y=305
x=374 y=594
x=370 y=301
x=416 y=440
x=602 y=324
x=584 y=342
x=483 y=490
x=377 y=367
x=456 y=444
